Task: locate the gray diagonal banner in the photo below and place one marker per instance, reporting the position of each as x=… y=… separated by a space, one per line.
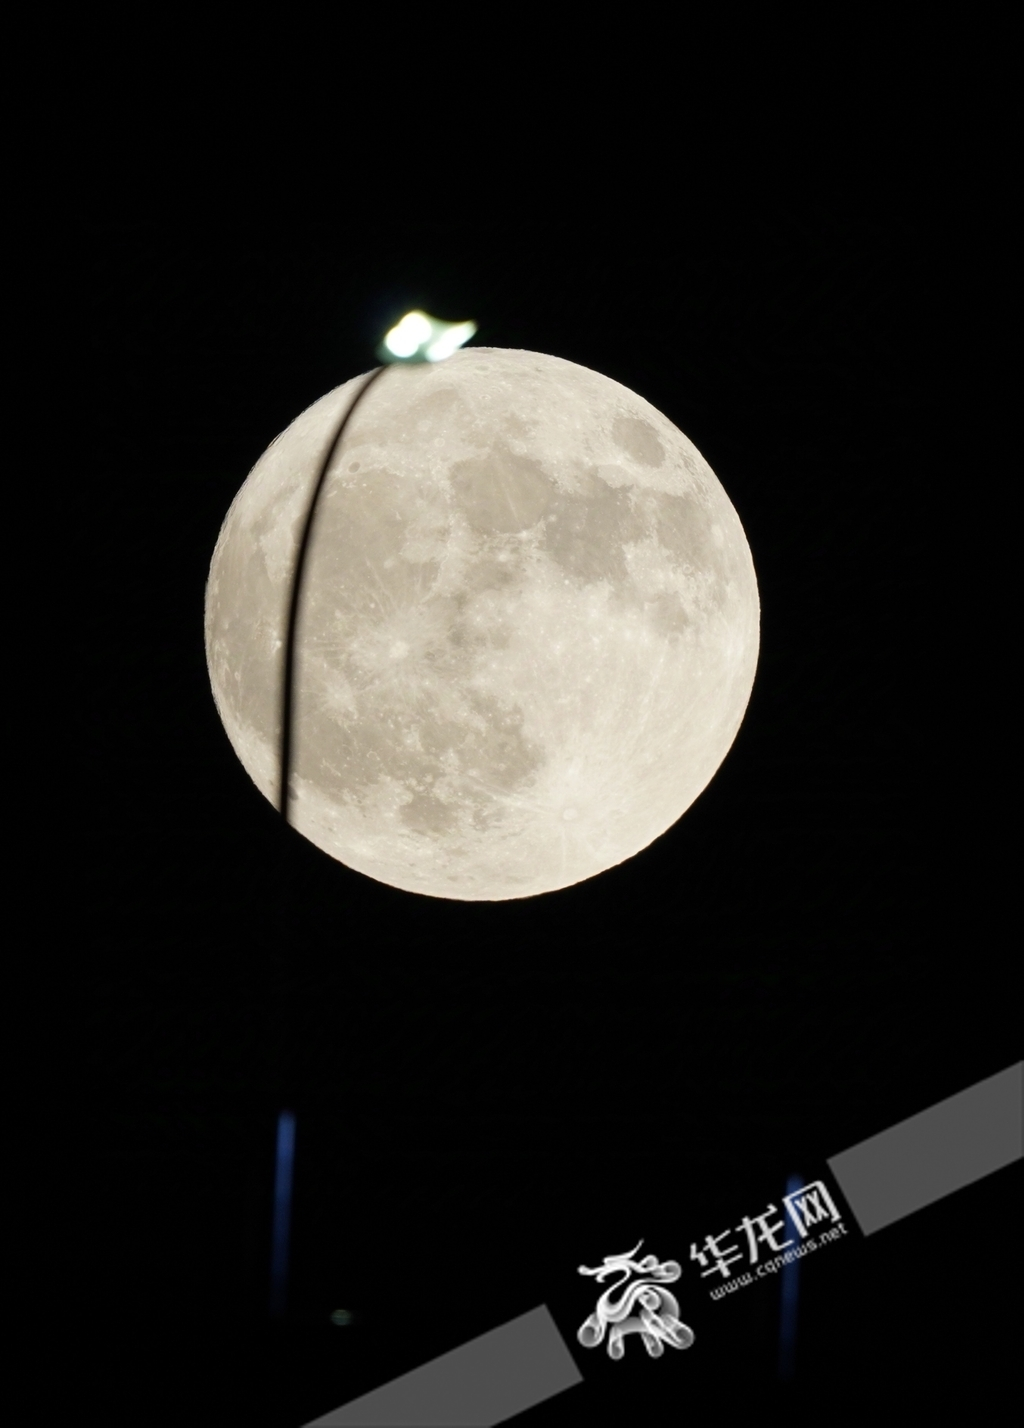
x=486 y=1381
x=931 y=1155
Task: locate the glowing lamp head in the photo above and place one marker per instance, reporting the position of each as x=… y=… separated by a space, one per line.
x=419 y=338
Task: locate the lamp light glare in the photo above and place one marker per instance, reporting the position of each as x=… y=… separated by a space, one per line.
x=450 y=341
x=410 y=334
x=419 y=338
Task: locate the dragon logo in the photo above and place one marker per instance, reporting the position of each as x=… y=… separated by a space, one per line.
x=657 y=1322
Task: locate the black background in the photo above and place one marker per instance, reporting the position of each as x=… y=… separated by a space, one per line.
x=488 y=1095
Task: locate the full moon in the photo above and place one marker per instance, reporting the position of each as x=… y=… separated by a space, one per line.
x=528 y=630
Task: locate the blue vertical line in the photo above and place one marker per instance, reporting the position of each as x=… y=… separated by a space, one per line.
x=788 y=1301
x=282 y=1211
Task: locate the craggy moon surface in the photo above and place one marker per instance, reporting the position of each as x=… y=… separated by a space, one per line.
x=528 y=633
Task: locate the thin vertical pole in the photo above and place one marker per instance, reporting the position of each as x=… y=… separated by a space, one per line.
x=288 y=680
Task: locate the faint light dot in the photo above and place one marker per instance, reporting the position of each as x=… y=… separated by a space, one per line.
x=570 y=814
x=341 y=1316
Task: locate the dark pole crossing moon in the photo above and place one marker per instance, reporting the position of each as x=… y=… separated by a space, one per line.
x=288 y=683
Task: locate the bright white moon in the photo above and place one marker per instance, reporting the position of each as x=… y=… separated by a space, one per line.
x=528 y=633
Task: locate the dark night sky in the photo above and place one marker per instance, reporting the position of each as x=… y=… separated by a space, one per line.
x=488 y=1095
